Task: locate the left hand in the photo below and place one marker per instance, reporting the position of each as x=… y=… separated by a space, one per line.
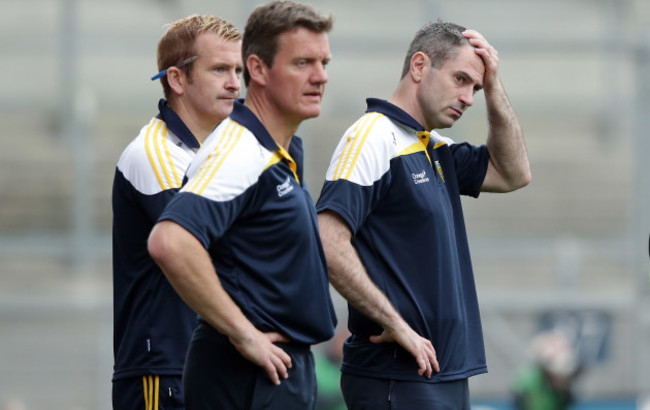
x=489 y=55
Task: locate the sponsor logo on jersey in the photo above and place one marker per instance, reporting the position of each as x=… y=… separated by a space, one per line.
x=284 y=188
x=420 y=178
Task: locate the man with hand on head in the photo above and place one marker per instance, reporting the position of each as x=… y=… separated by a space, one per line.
x=200 y=62
x=393 y=229
x=240 y=242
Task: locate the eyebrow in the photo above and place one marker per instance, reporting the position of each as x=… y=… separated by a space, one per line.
x=226 y=65
x=327 y=59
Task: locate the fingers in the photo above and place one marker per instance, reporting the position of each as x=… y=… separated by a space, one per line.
x=483 y=48
x=488 y=54
x=283 y=356
x=424 y=366
x=421 y=349
x=261 y=351
x=384 y=337
x=280 y=361
x=277 y=337
x=476 y=39
x=427 y=361
x=433 y=359
x=273 y=373
x=277 y=366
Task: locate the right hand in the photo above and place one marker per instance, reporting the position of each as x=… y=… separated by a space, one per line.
x=418 y=346
x=260 y=349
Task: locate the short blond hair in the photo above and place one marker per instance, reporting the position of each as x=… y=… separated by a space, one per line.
x=178 y=42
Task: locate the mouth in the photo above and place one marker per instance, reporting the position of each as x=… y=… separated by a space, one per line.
x=456 y=112
x=228 y=97
x=314 y=96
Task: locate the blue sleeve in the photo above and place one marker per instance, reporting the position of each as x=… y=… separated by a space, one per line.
x=154 y=205
x=351 y=201
x=206 y=219
x=470 y=162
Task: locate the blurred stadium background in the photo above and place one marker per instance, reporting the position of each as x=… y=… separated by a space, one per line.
x=569 y=251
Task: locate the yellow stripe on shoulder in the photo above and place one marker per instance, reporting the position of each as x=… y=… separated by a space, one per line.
x=159 y=142
x=362 y=141
x=176 y=182
x=203 y=171
x=157 y=148
x=440 y=144
x=412 y=149
x=279 y=155
x=354 y=145
x=275 y=158
x=147 y=138
x=215 y=159
x=349 y=146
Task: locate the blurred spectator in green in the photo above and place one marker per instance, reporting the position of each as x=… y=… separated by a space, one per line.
x=546 y=383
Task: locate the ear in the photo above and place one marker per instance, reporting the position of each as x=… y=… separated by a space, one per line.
x=177 y=80
x=420 y=64
x=257 y=69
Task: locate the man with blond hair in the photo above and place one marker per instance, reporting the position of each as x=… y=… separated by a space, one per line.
x=240 y=241
x=199 y=58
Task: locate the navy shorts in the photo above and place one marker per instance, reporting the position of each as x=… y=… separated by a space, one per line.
x=363 y=393
x=217 y=376
x=148 y=393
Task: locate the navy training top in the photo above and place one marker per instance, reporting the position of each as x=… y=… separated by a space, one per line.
x=152 y=326
x=245 y=202
x=398 y=188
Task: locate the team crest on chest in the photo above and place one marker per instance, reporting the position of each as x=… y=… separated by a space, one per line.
x=439 y=169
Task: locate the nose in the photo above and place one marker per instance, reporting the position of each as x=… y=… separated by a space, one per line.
x=467 y=97
x=234 y=81
x=319 y=76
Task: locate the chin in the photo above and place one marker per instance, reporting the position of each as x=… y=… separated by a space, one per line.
x=310 y=113
x=444 y=124
x=221 y=115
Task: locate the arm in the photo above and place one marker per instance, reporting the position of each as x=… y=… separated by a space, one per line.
x=349 y=277
x=508 y=169
x=188 y=267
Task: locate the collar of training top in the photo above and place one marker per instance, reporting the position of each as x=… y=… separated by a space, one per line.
x=176 y=125
x=243 y=115
x=394 y=112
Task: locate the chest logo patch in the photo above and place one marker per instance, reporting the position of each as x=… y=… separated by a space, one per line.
x=284 y=188
x=420 y=178
x=439 y=169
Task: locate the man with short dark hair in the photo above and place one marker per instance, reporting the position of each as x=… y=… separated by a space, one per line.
x=393 y=231
x=240 y=242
